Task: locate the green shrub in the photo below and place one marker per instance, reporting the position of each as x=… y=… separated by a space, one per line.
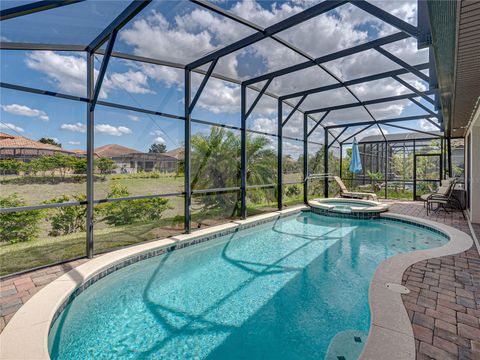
x=80 y=166
x=142 y=175
x=26 y=180
x=152 y=209
x=105 y=165
x=293 y=190
x=10 y=166
x=18 y=226
x=127 y=212
x=69 y=219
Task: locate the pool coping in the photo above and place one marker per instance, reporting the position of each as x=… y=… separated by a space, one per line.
x=320 y=207
x=391 y=332
x=26 y=335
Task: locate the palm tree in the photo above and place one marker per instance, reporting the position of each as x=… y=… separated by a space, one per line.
x=216 y=164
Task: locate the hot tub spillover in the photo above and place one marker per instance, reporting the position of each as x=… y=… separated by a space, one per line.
x=354 y=208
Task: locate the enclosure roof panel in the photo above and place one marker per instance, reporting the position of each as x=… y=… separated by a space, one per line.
x=401 y=137
x=75 y=24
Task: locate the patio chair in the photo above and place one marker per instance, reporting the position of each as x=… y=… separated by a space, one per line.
x=442 y=190
x=443 y=200
x=345 y=193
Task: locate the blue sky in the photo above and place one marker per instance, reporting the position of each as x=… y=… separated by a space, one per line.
x=182 y=32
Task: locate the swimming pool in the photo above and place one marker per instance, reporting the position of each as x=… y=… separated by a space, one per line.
x=283 y=289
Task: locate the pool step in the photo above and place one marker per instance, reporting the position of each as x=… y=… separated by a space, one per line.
x=347 y=345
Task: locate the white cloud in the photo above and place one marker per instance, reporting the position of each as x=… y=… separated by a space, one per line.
x=184 y=39
x=157 y=133
x=133 y=82
x=23 y=110
x=159 y=140
x=134 y=118
x=427 y=125
x=68 y=73
x=10 y=126
x=189 y=35
x=73 y=142
x=199 y=32
x=77 y=127
x=112 y=130
x=265 y=124
x=220 y=97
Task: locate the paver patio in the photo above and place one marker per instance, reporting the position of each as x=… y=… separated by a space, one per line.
x=443 y=305
x=444 y=299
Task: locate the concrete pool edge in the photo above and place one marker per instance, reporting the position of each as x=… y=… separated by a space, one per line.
x=26 y=335
x=391 y=332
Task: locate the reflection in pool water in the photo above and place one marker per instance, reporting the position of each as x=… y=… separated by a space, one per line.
x=281 y=290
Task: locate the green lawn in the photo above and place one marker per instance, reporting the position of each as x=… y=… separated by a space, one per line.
x=46 y=250
x=35 y=194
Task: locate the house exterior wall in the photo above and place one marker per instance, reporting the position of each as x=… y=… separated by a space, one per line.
x=473 y=168
x=145 y=162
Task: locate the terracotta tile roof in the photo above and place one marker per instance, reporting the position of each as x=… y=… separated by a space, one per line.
x=8 y=141
x=78 y=151
x=177 y=153
x=113 y=150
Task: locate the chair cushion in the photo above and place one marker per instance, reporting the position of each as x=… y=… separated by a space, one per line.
x=446 y=183
x=425 y=197
x=443 y=190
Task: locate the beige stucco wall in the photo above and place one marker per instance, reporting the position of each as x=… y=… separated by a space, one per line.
x=474 y=131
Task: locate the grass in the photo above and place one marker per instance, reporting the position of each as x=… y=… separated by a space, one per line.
x=35 y=194
x=46 y=250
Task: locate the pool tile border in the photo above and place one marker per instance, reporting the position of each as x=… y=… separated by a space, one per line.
x=21 y=342
x=353 y=215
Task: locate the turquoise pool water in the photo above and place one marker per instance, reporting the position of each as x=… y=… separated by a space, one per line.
x=281 y=290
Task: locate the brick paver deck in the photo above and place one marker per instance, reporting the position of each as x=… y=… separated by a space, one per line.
x=444 y=302
x=15 y=291
x=443 y=305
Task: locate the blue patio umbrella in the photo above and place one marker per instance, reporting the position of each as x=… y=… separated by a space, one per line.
x=355 y=163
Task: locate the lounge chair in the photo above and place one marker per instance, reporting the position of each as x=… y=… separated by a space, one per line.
x=345 y=193
x=443 y=189
x=444 y=198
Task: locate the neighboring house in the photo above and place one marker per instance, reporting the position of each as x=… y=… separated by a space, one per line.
x=24 y=149
x=130 y=160
x=177 y=153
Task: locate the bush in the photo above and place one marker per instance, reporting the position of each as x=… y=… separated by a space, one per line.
x=293 y=190
x=10 y=166
x=80 y=166
x=69 y=219
x=18 y=226
x=143 y=175
x=152 y=209
x=105 y=165
x=127 y=212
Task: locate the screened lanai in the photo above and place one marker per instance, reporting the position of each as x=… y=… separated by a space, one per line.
x=247 y=99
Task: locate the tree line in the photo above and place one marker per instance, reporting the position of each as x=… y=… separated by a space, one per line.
x=57 y=164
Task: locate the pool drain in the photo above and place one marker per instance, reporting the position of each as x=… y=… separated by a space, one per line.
x=397 y=288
